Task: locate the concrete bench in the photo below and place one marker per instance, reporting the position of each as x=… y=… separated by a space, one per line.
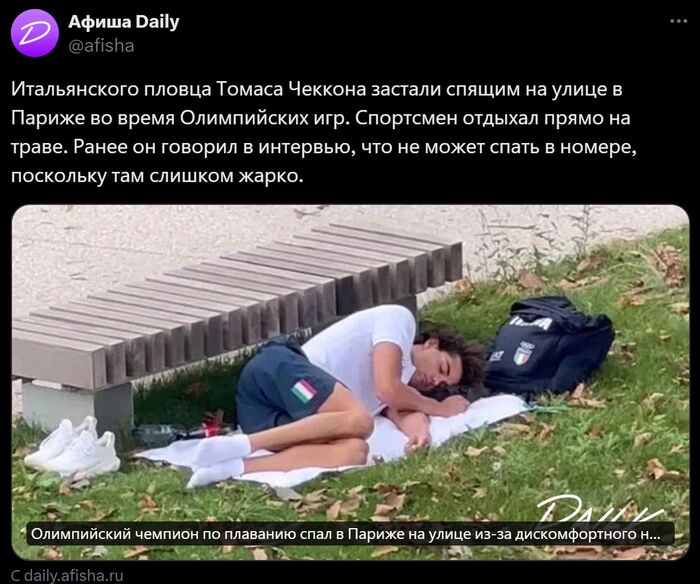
x=91 y=349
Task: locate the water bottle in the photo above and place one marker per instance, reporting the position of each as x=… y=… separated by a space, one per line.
x=159 y=435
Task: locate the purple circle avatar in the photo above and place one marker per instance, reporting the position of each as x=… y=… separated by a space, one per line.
x=34 y=33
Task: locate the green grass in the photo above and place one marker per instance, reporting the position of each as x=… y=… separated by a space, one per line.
x=604 y=467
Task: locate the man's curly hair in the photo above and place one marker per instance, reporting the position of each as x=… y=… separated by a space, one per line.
x=472 y=355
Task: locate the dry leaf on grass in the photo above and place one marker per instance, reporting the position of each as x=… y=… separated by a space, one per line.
x=383 y=550
x=655 y=469
x=630 y=554
x=64 y=488
x=667 y=259
x=572 y=549
x=260 y=554
x=476 y=452
x=596 y=432
x=333 y=512
x=530 y=281
x=104 y=514
x=197 y=389
x=650 y=401
x=227 y=548
x=643 y=438
x=99 y=551
x=147 y=504
x=137 y=551
x=52 y=553
x=545 y=432
x=287 y=494
x=480 y=493
x=459 y=551
x=591 y=262
x=580 y=391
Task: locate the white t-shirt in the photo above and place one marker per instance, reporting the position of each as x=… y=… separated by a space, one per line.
x=345 y=349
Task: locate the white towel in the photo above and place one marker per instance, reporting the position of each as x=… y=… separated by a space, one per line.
x=386 y=442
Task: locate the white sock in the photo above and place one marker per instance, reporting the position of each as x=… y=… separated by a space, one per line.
x=216 y=473
x=218 y=449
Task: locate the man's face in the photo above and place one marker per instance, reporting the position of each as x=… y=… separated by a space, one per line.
x=434 y=368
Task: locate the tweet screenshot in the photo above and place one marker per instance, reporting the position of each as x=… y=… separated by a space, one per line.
x=362 y=283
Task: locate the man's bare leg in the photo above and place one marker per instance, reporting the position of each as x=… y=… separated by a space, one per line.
x=340 y=416
x=343 y=452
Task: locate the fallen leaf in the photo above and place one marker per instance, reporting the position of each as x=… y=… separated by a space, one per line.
x=459 y=551
x=81 y=484
x=510 y=429
x=134 y=552
x=260 y=554
x=667 y=259
x=211 y=519
x=677 y=449
x=664 y=338
x=682 y=308
x=499 y=450
x=479 y=493
x=104 y=515
x=384 y=550
x=530 y=281
x=197 y=389
x=476 y=452
x=631 y=554
x=572 y=549
x=227 y=548
x=395 y=500
x=588 y=263
x=315 y=496
x=643 y=438
x=147 y=504
x=383 y=510
x=650 y=401
x=333 y=512
x=464 y=290
x=567 y=284
x=150 y=489
x=545 y=432
x=596 y=432
x=380 y=518
x=287 y=494
x=64 y=488
x=579 y=391
x=359 y=488
x=655 y=469
x=22 y=451
x=628 y=351
x=52 y=553
x=348 y=506
x=619 y=472
x=99 y=551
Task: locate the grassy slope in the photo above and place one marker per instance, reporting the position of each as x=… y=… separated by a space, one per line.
x=590 y=451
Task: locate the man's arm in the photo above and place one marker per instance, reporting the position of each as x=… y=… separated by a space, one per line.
x=386 y=363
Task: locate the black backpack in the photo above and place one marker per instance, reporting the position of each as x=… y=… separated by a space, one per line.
x=547 y=345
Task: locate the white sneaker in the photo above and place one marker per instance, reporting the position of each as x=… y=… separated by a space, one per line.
x=86 y=457
x=56 y=442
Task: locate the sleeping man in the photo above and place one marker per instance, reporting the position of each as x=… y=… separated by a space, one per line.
x=313 y=406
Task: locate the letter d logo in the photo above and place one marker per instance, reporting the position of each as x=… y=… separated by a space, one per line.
x=34 y=33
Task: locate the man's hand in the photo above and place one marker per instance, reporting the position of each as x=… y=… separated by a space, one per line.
x=417 y=440
x=453 y=405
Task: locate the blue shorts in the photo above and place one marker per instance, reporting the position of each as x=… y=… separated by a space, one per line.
x=280 y=385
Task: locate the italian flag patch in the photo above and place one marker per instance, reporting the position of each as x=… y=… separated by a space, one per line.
x=303 y=390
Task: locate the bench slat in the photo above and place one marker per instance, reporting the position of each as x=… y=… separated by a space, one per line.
x=453 y=267
x=380 y=272
x=288 y=299
x=232 y=316
x=213 y=342
x=114 y=348
x=134 y=344
x=418 y=260
x=325 y=286
x=436 y=254
x=256 y=316
x=154 y=338
x=187 y=335
x=400 y=268
x=74 y=363
x=270 y=304
x=174 y=335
